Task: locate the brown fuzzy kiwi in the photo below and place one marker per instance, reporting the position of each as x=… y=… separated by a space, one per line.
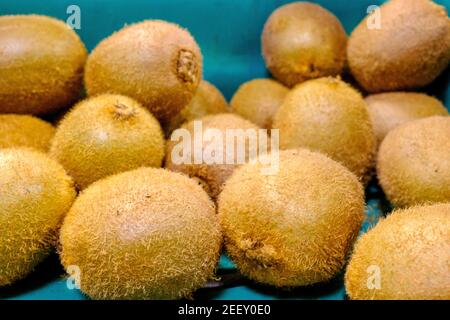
x=295 y=227
x=413 y=164
x=143 y=234
x=409 y=50
x=405 y=256
x=25 y=131
x=106 y=135
x=389 y=110
x=41 y=64
x=155 y=62
x=258 y=100
x=207 y=100
x=212 y=176
x=302 y=41
x=329 y=116
x=35 y=194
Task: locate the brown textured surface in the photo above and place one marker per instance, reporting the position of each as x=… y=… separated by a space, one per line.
x=302 y=41
x=105 y=135
x=212 y=176
x=411 y=248
x=258 y=100
x=389 y=110
x=41 y=64
x=207 y=100
x=155 y=62
x=413 y=163
x=143 y=234
x=293 y=228
x=25 y=131
x=409 y=51
x=329 y=116
x=35 y=195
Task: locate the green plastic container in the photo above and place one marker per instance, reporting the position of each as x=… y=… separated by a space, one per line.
x=228 y=32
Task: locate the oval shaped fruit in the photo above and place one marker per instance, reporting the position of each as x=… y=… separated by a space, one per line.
x=407 y=48
x=155 y=62
x=329 y=116
x=207 y=100
x=41 y=64
x=142 y=234
x=405 y=256
x=35 y=194
x=295 y=227
x=413 y=163
x=105 y=135
x=25 y=131
x=302 y=41
x=258 y=100
x=211 y=170
x=389 y=110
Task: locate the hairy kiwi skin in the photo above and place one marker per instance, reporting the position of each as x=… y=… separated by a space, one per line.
x=389 y=110
x=319 y=51
x=277 y=228
x=106 y=135
x=143 y=234
x=411 y=248
x=409 y=50
x=329 y=116
x=36 y=193
x=413 y=164
x=258 y=100
x=155 y=62
x=211 y=176
x=207 y=100
x=25 y=131
x=41 y=64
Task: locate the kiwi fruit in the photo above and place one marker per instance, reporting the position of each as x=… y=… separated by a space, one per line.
x=210 y=176
x=408 y=50
x=329 y=116
x=413 y=164
x=35 y=193
x=404 y=257
x=41 y=64
x=207 y=100
x=143 y=234
x=389 y=110
x=258 y=100
x=25 y=131
x=105 y=135
x=293 y=228
x=155 y=62
x=303 y=41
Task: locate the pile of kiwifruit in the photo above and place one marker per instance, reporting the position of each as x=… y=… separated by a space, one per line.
x=97 y=183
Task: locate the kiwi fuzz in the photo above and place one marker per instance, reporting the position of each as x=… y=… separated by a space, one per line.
x=413 y=163
x=207 y=100
x=329 y=116
x=404 y=257
x=162 y=71
x=266 y=218
x=155 y=233
x=212 y=175
x=36 y=194
x=105 y=135
x=42 y=65
x=318 y=52
x=391 y=109
x=25 y=131
x=384 y=59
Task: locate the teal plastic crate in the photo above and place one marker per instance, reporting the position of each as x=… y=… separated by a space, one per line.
x=228 y=32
